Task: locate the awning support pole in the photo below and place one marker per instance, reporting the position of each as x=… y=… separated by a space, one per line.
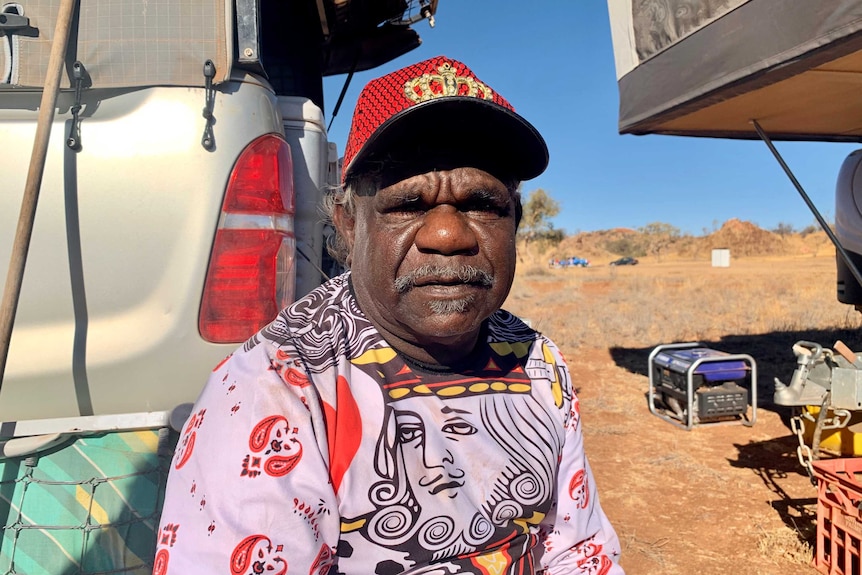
x=825 y=226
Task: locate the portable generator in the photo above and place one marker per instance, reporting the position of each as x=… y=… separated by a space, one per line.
x=690 y=384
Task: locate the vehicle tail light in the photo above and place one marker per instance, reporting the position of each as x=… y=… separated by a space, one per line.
x=251 y=273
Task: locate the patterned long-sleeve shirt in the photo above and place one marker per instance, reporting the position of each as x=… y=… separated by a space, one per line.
x=317 y=448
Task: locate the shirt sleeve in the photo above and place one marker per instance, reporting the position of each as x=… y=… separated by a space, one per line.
x=578 y=538
x=248 y=489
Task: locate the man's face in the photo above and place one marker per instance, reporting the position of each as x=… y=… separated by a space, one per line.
x=433 y=255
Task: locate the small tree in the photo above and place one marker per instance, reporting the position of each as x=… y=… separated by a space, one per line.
x=784 y=229
x=814 y=227
x=626 y=246
x=811 y=229
x=536 y=223
x=658 y=236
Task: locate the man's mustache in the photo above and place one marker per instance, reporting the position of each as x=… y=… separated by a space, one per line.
x=431 y=273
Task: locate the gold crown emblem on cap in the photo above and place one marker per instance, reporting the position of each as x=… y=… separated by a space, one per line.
x=419 y=89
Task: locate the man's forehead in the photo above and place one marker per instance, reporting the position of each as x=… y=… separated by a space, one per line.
x=470 y=180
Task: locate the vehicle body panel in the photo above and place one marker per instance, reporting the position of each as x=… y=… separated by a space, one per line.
x=115 y=270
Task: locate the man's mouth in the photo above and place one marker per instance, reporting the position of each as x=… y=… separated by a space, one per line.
x=444 y=276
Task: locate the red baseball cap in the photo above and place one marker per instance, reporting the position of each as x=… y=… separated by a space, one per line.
x=440 y=105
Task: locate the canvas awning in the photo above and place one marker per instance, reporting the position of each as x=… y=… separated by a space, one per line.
x=125 y=43
x=135 y=43
x=710 y=67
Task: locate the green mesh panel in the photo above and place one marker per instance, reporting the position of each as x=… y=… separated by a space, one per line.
x=89 y=506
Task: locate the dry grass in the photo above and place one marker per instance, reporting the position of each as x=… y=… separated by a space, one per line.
x=645 y=548
x=784 y=545
x=606 y=306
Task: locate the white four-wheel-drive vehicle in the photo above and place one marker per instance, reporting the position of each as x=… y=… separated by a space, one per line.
x=184 y=157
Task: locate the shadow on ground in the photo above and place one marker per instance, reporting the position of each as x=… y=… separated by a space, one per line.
x=772 y=353
x=774 y=461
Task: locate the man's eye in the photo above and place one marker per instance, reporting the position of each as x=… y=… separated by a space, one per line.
x=408 y=207
x=411 y=208
x=488 y=212
x=487 y=203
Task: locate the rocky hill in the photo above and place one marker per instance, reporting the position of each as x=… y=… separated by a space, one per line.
x=742 y=238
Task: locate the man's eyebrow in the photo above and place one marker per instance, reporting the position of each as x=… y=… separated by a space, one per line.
x=398 y=198
x=487 y=194
x=406 y=194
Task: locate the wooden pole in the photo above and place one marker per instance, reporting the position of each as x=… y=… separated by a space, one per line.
x=23 y=232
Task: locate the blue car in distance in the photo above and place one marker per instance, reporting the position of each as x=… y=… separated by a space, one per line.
x=570 y=262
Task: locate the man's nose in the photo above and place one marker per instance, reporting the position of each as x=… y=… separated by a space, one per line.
x=446 y=230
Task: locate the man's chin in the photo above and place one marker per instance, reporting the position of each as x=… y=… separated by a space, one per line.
x=455 y=306
x=443 y=320
x=440 y=326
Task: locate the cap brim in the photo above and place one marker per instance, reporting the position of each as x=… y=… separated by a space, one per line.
x=464 y=131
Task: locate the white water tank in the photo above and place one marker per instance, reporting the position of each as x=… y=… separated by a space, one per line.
x=721 y=258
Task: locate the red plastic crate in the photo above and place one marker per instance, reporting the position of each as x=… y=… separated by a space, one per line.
x=839 y=518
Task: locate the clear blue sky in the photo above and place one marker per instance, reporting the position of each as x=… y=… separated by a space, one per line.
x=553 y=60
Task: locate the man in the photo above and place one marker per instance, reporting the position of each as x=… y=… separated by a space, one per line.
x=396 y=420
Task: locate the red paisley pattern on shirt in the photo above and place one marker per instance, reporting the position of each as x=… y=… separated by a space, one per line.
x=160 y=564
x=579 y=489
x=276 y=450
x=595 y=562
x=288 y=369
x=187 y=443
x=167 y=538
x=255 y=555
x=322 y=562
